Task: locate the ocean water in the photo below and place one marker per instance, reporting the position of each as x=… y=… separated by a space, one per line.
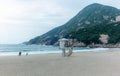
x=11 y=49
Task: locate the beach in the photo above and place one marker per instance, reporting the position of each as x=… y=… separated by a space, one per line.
x=105 y=63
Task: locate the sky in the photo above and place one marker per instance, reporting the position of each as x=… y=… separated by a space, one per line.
x=22 y=20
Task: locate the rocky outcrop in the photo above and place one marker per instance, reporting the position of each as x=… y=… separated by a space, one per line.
x=118 y=18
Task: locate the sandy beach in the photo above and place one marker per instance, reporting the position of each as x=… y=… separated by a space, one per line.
x=79 y=64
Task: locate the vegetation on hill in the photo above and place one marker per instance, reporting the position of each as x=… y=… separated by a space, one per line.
x=87 y=27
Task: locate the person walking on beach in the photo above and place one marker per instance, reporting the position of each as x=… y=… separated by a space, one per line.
x=20 y=53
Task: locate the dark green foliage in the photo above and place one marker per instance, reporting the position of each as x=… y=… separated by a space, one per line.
x=90 y=35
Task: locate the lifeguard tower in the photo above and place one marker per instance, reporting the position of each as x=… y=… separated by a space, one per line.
x=65 y=47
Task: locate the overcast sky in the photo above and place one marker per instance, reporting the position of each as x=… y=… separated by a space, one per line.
x=21 y=20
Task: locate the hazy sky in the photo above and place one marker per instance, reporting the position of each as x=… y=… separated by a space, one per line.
x=21 y=20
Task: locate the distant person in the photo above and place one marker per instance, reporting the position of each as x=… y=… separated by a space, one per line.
x=20 y=53
x=26 y=54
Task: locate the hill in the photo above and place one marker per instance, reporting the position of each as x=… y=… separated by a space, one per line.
x=86 y=27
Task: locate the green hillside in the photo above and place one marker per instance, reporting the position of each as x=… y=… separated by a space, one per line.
x=86 y=27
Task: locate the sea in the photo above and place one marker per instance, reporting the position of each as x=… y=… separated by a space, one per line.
x=14 y=49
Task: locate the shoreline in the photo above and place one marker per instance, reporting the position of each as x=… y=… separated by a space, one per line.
x=52 y=52
x=104 y=63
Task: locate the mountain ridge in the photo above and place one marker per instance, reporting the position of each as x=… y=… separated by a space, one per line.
x=90 y=17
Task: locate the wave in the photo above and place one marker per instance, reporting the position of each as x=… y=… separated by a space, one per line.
x=92 y=49
x=9 y=53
